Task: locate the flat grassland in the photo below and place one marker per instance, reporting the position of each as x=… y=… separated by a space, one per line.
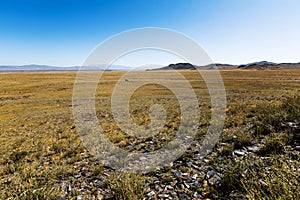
x=42 y=156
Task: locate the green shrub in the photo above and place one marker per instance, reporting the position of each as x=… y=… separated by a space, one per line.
x=238 y=137
x=292 y=107
x=275 y=143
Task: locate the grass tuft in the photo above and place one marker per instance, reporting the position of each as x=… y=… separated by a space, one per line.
x=127 y=186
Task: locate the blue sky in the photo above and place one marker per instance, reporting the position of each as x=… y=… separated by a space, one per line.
x=64 y=32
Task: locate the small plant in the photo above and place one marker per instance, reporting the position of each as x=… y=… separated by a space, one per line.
x=269 y=119
x=292 y=106
x=18 y=156
x=275 y=143
x=232 y=177
x=127 y=186
x=238 y=137
x=227 y=150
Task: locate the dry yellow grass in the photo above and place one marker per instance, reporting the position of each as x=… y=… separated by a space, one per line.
x=38 y=140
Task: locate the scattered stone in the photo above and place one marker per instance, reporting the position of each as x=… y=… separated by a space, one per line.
x=210 y=174
x=164 y=195
x=194 y=177
x=150 y=194
x=263 y=183
x=148 y=189
x=197 y=196
x=186 y=185
x=254 y=148
x=174 y=195
x=178 y=174
x=292 y=124
x=214 y=180
x=239 y=153
x=223 y=144
x=69 y=188
x=63 y=186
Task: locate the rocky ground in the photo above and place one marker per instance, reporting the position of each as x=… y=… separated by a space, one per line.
x=189 y=177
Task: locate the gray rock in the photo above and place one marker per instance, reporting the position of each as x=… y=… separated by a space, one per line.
x=196 y=195
x=194 y=177
x=263 y=183
x=239 y=153
x=214 y=180
x=164 y=195
x=168 y=187
x=174 y=195
x=210 y=173
x=69 y=188
x=150 y=194
x=223 y=144
x=63 y=186
x=178 y=174
x=186 y=185
x=254 y=148
x=292 y=124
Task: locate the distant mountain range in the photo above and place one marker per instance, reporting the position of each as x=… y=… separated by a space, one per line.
x=45 y=68
x=179 y=66
x=255 y=65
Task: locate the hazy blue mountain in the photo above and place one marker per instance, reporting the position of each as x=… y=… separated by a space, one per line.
x=38 y=68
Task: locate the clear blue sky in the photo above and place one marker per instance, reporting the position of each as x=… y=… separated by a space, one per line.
x=63 y=32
